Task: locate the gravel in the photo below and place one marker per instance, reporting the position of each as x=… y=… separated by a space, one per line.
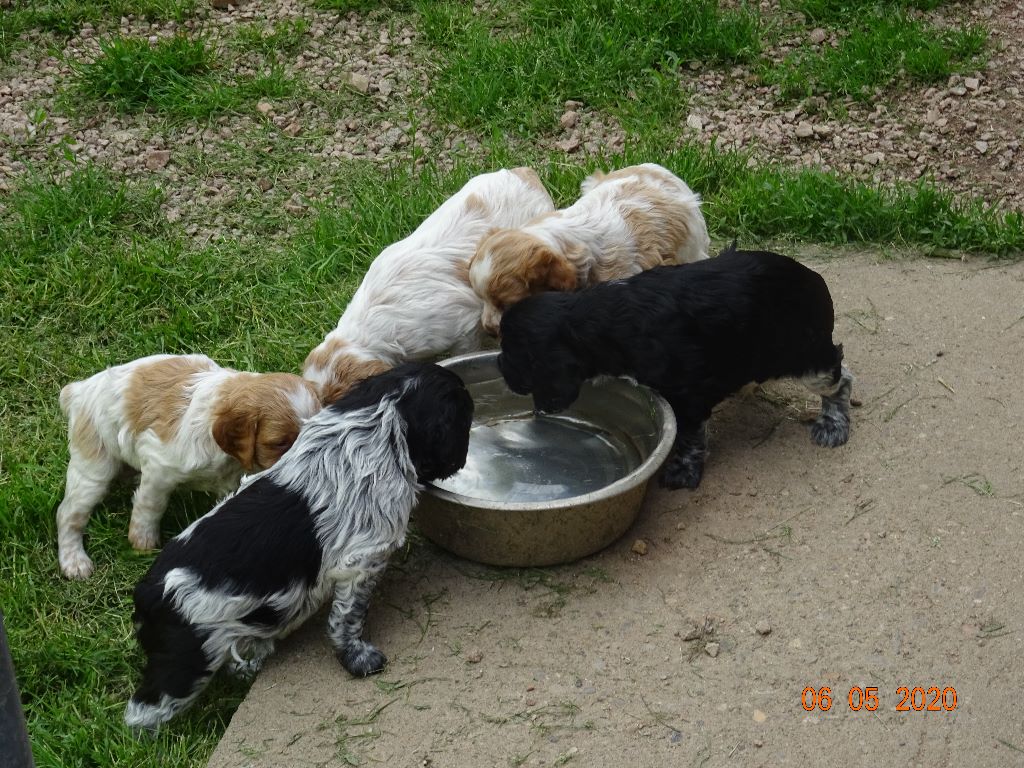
x=365 y=78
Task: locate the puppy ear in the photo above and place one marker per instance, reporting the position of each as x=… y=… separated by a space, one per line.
x=438 y=414
x=549 y=271
x=235 y=429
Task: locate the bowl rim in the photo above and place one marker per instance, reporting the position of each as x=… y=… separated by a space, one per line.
x=638 y=477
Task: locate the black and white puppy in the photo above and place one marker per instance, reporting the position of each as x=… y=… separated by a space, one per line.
x=319 y=524
x=696 y=333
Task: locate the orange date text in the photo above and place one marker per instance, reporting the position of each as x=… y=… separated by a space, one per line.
x=916 y=699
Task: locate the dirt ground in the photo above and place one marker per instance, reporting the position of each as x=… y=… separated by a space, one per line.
x=893 y=561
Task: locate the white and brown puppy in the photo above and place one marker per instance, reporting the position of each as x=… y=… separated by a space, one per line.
x=415 y=302
x=180 y=420
x=626 y=221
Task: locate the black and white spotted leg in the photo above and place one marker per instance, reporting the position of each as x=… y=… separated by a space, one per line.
x=345 y=624
x=832 y=427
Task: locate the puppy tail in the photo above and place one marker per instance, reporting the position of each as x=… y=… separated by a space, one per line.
x=66 y=397
x=591 y=181
x=730 y=249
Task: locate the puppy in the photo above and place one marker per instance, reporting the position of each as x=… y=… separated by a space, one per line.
x=178 y=420
x=695 y=333
x=320 y=524
x=625 y=222
x=415 y=302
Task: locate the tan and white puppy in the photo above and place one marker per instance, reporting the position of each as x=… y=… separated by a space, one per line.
x=180 y=420
x=626 y=221
x=415 y=302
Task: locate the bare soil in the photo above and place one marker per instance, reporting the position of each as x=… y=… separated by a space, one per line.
x=893 y=561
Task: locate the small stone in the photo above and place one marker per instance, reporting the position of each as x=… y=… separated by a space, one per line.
x=763 y=627
x=153 y=40
x=173 y=215
x=531 y=702
x=475 y=657
x=972 y=83
x=157 y=159
x=711 y=649
x=295 y=206
x=874 y=158
x=358 y=82
x=818 y=36
x=293 y=129
x=639 y=547
x=981 y=146
x=932 y=115
x=265 y=108
x=758 y=743
x=694 y=122
x=823 y=130
x=568 y=145
x=759 y=716
x=958 y=90
x=569 y=119
x=264 y=184
x=693 y=633
x=572 y=104
x=223 y=5
x=804 y=130
x=385 y=87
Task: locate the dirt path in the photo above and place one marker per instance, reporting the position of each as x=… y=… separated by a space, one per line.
x=894 y=561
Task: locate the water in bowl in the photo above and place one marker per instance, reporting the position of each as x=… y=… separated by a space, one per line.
x=541 y=458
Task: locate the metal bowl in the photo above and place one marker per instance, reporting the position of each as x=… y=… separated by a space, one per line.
x=541 y=490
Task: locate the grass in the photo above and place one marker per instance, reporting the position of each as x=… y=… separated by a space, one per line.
x=882 y=49
x=836 y=11
x=64 y=18
x=287 y=36
x=514 y=70
x=177 y=76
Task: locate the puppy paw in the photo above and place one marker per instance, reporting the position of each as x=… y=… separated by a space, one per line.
x=682 y=473
x=143 y=537
x=247 y=661
x=362 y=659
x=75 y=564
x=830 y=432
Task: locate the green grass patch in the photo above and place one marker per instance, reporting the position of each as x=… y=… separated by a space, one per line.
x=177 y=76
x=883 y=48
x=287 y=36
x=513 y=69
x=65 y=17
x=835 y=11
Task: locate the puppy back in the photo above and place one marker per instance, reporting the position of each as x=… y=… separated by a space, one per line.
x=158 y=393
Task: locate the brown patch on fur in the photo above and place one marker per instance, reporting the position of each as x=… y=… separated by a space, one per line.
x=631 y=171
x=85 y=439
x=476 y=204
x=254 y=419
x=321 y=356
x=660 y=227
x=462 y=271
x=156 y=396
x=348 y=370
x=529 y=176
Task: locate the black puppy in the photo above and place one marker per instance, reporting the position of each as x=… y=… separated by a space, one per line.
x=319 y=524
x=696 y=333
